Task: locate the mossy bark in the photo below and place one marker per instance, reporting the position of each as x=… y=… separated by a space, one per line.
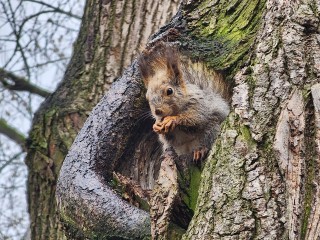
x=111 y=139
x=257 y=183
x=260 y=181
x=110 y=36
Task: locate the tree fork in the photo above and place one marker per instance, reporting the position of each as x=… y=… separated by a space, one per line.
x=95 y=64
x=250 y=187
x=117 y=138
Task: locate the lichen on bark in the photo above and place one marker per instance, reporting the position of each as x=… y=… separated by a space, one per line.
x=222 y=32
x=95 y=64
x=182 y=33
x=253 y=184
x=267 y=90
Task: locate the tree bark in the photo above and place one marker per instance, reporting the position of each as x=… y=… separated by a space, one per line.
x=110 y=138
x=261 y=179
x=110 y=36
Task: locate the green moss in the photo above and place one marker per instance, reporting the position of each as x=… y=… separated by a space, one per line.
x=74 y=232
x=306 y=93
x=193 y=190
x=143 y=204
x=245 y=134
x=251 y=81
x=36 y=140
x=66 y=219
x=189 y=184
x=223 y=38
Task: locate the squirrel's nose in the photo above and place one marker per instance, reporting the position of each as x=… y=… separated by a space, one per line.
x=158 y=111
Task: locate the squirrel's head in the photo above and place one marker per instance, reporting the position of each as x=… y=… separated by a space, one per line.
x=160 y=69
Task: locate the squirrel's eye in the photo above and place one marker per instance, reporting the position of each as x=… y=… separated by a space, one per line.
x=169 y=91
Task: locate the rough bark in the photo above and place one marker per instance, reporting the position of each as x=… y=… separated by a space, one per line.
x=261 y=179
x=85 y=198
x=110 y=35
x=111 y=134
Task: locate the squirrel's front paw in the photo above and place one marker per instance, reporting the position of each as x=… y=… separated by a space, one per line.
x=168 y=124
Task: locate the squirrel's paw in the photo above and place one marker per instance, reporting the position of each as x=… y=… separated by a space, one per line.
x=168 y=124
x=157 y=127
x=200 y=154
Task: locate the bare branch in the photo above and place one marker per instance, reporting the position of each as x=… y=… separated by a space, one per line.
x=18 y=83
x=45 y=63
x=12 y=133
x=9 y=161
x=56 y=9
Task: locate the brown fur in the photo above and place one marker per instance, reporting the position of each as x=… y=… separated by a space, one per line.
x=189 y=118
x=159 y=57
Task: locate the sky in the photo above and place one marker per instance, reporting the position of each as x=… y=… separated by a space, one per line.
x=47 y=37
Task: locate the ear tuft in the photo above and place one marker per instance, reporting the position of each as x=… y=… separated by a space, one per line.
x=160 y=55
x=144 y=66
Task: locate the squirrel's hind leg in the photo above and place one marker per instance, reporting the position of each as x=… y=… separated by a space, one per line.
x=200 y=154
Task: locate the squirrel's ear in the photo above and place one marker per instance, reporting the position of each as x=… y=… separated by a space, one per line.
x=174 y=68
x=145 y=70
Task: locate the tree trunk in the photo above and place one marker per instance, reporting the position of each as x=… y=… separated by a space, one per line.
x=116 y=141
x=261 y=179
x=110 y=36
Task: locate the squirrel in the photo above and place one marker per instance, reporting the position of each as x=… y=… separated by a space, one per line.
x=187 y=102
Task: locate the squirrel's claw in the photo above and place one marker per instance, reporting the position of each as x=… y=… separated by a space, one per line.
x=170 y=126
x=157 y=128
x=167 y=125
x=200 y=154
